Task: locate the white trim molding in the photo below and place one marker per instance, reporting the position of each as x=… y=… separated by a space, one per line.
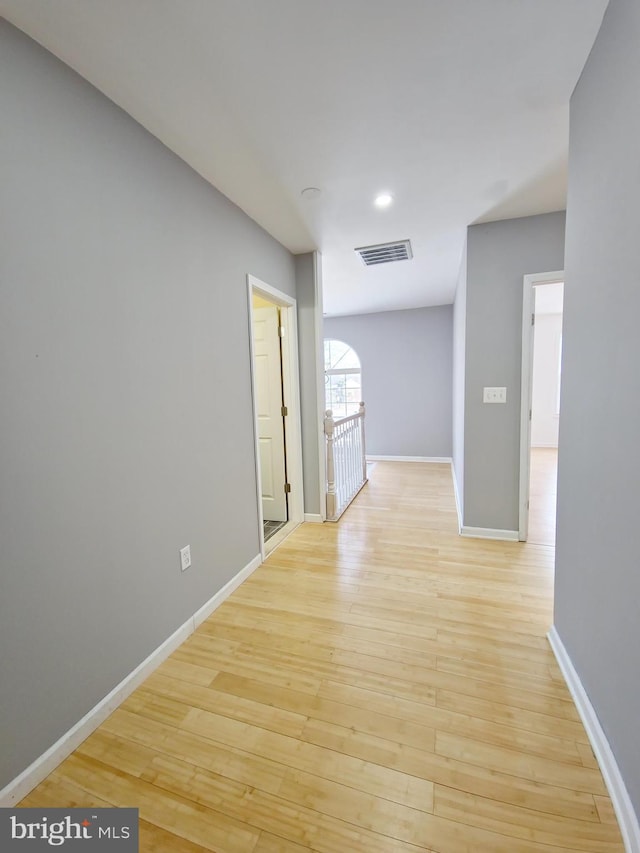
x=443 y=459
x=627 y=818
x=222 y=594
x=291 y=399
x=38 y=770
x=313 y=518
x=490 y=533
x=457 y=497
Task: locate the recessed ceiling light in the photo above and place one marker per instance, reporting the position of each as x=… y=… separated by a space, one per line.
x=383 y=200
x=310 y=192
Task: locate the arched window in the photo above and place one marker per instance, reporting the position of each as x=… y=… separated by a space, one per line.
x=342 y=379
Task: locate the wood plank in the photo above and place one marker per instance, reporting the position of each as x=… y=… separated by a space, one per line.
x=513 y=716
x=455 y=772
x=519 y=764
x=230 y=705
x=269 y=843
x=521 y=823
x=170 y=811
x=275 y=815
x=363 y=719
x=233 y=762
x=366 y=775
x=519 y=731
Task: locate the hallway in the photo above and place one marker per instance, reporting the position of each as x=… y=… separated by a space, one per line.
x=378 y=685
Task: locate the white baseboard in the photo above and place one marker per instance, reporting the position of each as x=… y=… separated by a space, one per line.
x=627 y=818
x=445 y=459
x=313 y=517
x=457 y=497
x=490 y=533
x=71 y=740
x=222 y=594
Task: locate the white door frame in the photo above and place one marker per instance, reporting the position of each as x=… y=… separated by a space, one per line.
x=526 y=389
x=291 y=394
x=320 y=401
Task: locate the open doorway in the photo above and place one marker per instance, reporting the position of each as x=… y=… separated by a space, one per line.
x=541 y=382
x=274 y=363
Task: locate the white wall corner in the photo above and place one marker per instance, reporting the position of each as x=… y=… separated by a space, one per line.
x=313 y=517
x=38 y=770
x=490 y=533
x=627 y=818
x=320 y=392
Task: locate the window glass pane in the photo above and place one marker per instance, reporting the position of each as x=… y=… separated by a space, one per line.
x=347 y=358
x=327 y=355
x=337 y=387
x=338 y=354
x=334 y=350
x=343 y=391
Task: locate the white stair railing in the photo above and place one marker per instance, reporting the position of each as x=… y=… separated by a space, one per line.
x=346 y=460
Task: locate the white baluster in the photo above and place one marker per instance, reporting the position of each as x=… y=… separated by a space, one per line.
x=343 y=465
x=331 y=478
x=363 y=449
x=354 y=458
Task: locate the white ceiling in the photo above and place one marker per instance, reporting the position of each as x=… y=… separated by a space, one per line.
x=459 y=108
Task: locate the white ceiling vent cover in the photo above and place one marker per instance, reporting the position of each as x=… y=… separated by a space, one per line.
x=385 y=253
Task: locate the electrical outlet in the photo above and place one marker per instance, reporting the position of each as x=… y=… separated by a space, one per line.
x=185 y=557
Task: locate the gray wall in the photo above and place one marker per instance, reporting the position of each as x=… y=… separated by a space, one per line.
x=309 y=299
x=598 y=570
x=459 y=330
x=124 y=370
x=406 y=359
x=499 y=254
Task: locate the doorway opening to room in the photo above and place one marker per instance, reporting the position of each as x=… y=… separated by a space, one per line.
x=541 y=383
x=276 y=408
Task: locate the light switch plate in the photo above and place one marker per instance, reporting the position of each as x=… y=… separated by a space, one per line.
x=494 y=395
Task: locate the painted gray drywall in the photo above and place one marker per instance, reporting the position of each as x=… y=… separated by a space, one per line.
x=499 y=255
x=597 y=570
x=406 y=359
x=124 y=373
x=459 y=330
x=309 y=308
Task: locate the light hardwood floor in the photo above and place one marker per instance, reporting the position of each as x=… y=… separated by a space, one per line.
x=378 y=685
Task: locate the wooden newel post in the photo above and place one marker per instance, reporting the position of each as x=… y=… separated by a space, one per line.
x=331 y=475
x=364 y=449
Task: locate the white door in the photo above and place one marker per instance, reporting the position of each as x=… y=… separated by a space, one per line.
x=268 y=383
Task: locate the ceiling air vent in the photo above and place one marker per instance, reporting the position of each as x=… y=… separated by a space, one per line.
x=384 y=253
